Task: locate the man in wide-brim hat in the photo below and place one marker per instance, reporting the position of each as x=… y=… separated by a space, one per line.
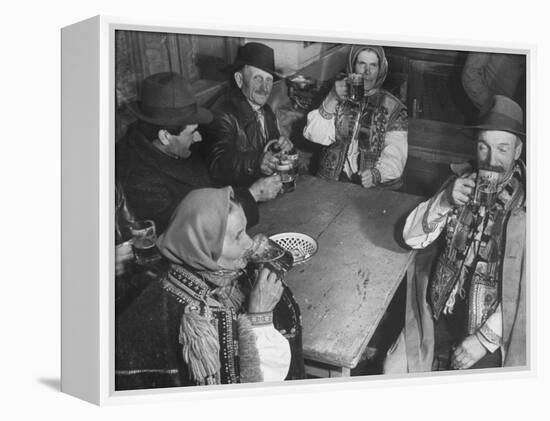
x=466 y=299
x=244 y=126
x=155 y=166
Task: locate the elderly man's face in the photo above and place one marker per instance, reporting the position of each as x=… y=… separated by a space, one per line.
x=236 y=243
x=255 y=84
x=367 y=64
x=498 y=149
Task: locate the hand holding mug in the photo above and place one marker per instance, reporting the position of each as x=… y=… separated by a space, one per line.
x=340 y=89
x=268 y=162
x=124 y=256
x=266 y=188
x=266 y=293
x=462 y=190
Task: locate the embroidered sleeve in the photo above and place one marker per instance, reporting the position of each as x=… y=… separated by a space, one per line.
x=393 y=157
x=490 y=333
x=319 y=129
x=324 y=113
x=426 y=221
x=376 y=176
x=400 y=121
x=274 y=351
x=261 y=319
x=265 y=355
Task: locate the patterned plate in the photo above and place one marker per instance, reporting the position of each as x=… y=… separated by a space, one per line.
x=301 y=246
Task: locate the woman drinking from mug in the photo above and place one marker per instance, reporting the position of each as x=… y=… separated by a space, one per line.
x=209 y=320
x=362 y=126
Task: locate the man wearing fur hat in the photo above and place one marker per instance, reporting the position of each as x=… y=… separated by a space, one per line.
x=466 y=307
x=365 y=140
x=237 y=142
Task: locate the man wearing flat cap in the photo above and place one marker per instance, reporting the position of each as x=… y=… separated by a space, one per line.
x=466 y=293
x=237 y=142
x=155 y=166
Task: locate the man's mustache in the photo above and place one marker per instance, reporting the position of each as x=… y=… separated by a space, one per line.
x=494 y=168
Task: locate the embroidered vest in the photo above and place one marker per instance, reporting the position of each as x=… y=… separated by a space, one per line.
x=198 y=298
x=377 y=114
x=470 y=266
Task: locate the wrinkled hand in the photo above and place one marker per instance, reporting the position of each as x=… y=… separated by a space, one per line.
x=366 y=179
x=284 y=144
x=266 y=293
x=268 y=163
x=340 y=89
x=469 y=352
x=124 y=255
x=462 y=190
x=266 y=188
x=276 y=146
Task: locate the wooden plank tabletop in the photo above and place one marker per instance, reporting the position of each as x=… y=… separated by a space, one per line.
x=345 y=288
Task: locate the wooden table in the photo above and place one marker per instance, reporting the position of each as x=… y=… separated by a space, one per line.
x=345 y=288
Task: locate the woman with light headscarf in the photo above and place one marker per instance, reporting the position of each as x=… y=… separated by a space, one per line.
x=208 y=320
x=365 y=141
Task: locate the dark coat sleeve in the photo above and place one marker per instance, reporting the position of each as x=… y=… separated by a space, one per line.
x=147 y=350
x=249 y=204
x=232 y=156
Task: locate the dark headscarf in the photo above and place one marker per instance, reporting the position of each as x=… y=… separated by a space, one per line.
x=382 y=61
x=196 y=231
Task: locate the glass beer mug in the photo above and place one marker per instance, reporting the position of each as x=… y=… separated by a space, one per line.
x=144 y=239
x=287 y=169
x=486 y=190
x=356 y=87
x=265 y=252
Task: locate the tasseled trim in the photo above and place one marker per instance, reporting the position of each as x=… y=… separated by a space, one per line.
x=248 y=352
x=458 y=289
x=201 y=348
x=451 y=301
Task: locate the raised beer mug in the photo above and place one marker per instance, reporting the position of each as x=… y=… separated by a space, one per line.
x=356 y=87
x=486 y=190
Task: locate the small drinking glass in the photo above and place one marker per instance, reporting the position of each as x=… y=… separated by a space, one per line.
x=144 y=239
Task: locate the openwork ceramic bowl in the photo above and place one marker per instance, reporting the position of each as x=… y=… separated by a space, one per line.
x=301 y=246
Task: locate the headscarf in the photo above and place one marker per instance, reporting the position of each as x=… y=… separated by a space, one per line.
x=196 y=230
x=382 y=61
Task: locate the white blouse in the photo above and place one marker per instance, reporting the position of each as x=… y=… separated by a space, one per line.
x=274 y=351
x=392 y=158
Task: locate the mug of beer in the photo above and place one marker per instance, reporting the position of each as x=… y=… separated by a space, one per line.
x=287 y=169
x=266 y=252
x=356 y=87
x=144 y=237
x=485 y=193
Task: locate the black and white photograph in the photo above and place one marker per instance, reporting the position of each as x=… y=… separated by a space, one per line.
x=275 y=211
x=291 y=209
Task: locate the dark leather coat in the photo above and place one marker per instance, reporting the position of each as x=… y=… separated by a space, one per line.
x=233 y=143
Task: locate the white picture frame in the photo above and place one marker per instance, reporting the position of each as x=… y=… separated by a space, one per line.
x=88 y=99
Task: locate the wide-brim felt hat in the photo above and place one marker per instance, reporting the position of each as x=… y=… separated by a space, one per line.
x=255 y=54
x=504 y=115
x=168 y=100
